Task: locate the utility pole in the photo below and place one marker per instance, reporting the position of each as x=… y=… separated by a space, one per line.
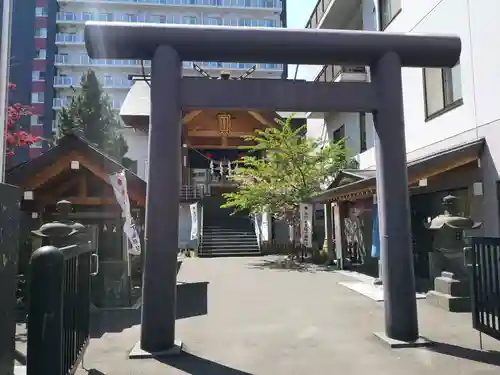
x=4 y=78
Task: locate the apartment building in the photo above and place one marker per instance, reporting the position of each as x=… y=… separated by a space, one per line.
x=49 y=45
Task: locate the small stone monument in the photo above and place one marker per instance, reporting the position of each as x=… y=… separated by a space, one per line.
x=448 y=259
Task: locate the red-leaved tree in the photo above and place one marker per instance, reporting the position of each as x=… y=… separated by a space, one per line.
x=14 y=136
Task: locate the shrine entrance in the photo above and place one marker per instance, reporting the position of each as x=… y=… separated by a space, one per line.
x=167 y=46
x=212 y=142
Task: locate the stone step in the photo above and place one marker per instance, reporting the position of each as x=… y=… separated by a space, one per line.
x=230 y=248
x=448 y=302
x=453 y=287
x=212 y=254
x=229 y=240
x=228 y=233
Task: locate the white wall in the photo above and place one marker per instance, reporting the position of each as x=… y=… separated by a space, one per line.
x=137 y=142
x=476 y=24
x=316 y=128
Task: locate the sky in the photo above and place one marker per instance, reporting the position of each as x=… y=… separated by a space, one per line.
x=298 y=12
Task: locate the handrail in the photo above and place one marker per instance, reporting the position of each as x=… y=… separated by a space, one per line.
x=257 y=229
x=314 y=13
x=73 y=251
x=200 y=236
x=336 y=70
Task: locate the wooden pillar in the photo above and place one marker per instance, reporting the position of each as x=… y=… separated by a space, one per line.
x=329 y=228
x=339 y=214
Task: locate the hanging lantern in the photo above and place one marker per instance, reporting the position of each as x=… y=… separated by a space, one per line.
x=209 y=156
x=224 y=121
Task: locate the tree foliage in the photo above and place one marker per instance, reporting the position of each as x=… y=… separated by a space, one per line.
x=15 y=136
x=283 y=169
x=91 y=114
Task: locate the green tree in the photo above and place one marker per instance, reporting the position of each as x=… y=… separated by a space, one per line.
x=90 y=113
x=283 y=169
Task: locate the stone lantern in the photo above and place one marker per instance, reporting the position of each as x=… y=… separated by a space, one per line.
x=448 y=259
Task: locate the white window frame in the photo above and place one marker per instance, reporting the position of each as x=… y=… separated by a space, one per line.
x=388 y=10
x=41 y=11
x=42 y=54
x=41 y=32
x=34 y=120
x=36 y=76
x=35 y=97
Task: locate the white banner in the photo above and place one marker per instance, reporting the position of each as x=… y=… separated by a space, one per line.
x=119 y=185
x=194 y=220
x=306 y=214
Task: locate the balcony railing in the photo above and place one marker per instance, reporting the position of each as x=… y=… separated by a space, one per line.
x=79 y=17
x=85 y=60
x=318 y=13
x=248 y=4
x=105 y=82
x=65 y=81
x=70 y=38
x=59 y=103
x=76 y=17
x=330 y=73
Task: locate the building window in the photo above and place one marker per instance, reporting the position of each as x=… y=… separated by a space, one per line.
x=158 y=18
x=132 y=17
x=40 y=54
x=41 y=12
x=245 y=22
x=37 y=75
x=37 y=97
x=105 y=17
x=339 y=134
x=270 y=23
x=362 y=132
x=86 y=16
x=190 y=20
x=37 y=120
x=217 y=21
x=41 y=32
x=388 y=10
x=442 y=90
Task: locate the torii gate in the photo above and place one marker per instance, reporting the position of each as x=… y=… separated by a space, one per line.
x=169 y=45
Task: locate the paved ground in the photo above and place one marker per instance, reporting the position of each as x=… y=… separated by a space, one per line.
x=264 y=320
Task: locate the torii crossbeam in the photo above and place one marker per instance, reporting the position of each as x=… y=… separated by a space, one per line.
x=169 y=45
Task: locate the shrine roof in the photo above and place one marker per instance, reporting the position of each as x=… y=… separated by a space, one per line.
x=363 y=182
x=70 y=145
x=136 y=107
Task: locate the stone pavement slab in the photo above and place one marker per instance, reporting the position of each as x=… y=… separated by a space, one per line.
x=375 y=292
x=266 y=319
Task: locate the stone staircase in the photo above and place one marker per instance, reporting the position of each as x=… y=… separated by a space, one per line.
x=225 y=234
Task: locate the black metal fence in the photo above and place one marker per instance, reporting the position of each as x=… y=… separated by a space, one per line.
x=10 y=198
x=59 y=300
x=485 y=271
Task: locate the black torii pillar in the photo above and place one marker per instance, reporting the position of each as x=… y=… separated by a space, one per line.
x=168 y=45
